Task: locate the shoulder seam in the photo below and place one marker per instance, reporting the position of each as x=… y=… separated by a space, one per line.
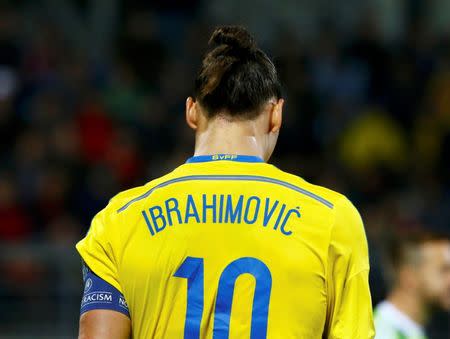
x=231 y=178
x=327 y=264
x=358 y=272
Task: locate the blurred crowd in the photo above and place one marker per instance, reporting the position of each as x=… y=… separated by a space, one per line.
x=367 y=117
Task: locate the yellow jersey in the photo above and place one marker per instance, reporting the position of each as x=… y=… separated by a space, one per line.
x=228 y=246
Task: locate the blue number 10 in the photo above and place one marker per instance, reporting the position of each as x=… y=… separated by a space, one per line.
x=192 y=270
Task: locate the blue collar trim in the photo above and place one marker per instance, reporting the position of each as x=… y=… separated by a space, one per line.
x=228 y=157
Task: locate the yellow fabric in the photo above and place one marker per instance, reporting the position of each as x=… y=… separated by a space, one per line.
x=319 y=265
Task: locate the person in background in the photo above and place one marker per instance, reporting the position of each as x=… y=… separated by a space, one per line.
x=420 y=264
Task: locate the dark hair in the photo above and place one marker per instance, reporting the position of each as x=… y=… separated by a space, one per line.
x=236 y=76
x=401 y=247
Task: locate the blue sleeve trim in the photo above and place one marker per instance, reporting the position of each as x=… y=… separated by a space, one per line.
x=101 y=295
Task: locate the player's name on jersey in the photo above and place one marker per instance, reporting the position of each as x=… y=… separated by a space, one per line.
x=220 y=208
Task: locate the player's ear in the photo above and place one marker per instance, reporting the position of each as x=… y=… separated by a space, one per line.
x=192 y=113
x=276 y=116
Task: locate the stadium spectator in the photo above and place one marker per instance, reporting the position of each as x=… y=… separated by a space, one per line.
x=420 y=279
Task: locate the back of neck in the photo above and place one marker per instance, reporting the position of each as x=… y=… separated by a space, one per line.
x=223 y=137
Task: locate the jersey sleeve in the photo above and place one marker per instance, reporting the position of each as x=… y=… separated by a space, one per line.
x=349 y=302
x=97 y=250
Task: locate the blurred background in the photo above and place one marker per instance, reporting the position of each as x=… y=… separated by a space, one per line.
x=92 y=99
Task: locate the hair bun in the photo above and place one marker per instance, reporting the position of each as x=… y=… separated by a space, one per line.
x=235 y=36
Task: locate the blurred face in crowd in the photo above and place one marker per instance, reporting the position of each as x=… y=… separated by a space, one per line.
x=433 y=273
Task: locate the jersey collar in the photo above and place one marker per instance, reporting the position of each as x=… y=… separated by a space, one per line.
x=228 y=157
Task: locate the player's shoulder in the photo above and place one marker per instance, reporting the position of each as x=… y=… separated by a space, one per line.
x=332 y=199
x=123 y=199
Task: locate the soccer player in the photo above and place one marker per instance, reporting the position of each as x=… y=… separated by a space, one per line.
x=420 y=283
x=227 y=245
